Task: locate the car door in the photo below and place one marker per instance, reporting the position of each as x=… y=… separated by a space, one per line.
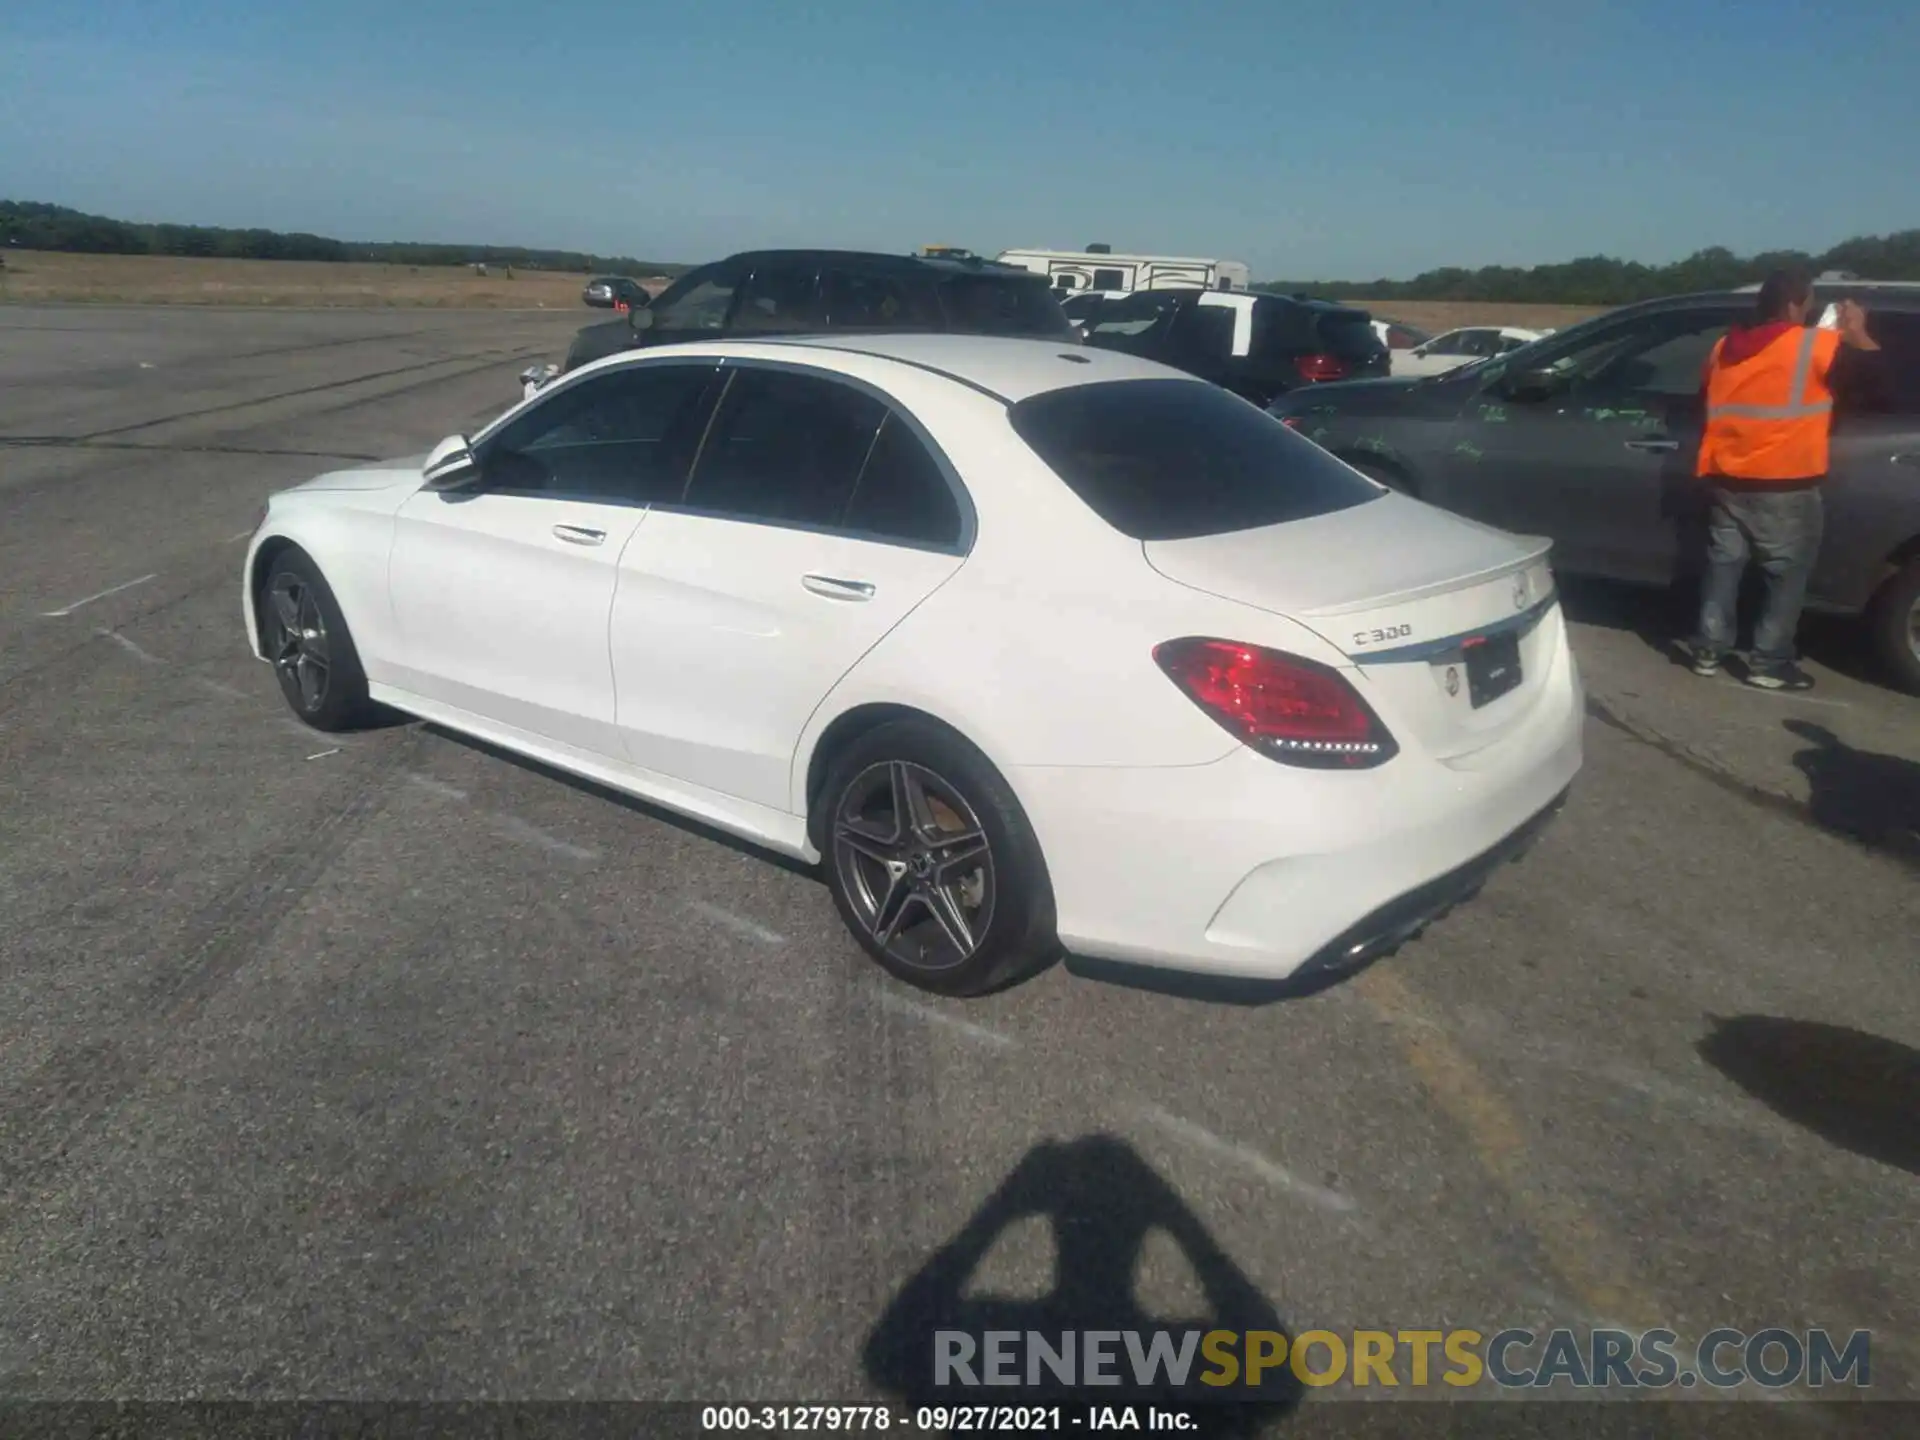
x=816 y=518
x=1873 y=472
x=1604 y=462
x=501 y=591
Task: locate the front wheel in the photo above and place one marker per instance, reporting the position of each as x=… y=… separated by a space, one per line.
x=306 y=637
x=932 y=863
x=1895 y=625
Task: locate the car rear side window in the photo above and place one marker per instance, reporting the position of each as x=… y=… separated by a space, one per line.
x=1175 y=459
x=785 y=449
x=868 y=300
x=902 y=493
x=781 y=296
x=1002 y=305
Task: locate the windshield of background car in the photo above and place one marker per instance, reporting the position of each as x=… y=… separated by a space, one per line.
x=999 y=305
x=1175 y=459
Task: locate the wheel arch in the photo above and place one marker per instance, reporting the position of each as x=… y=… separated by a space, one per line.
x=259 y=567
x=846 y=729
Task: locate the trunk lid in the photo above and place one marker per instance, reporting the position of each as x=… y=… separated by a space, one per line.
x=1450 y=624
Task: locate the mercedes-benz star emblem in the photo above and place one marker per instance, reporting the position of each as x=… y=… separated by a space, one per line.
x=1453 y=680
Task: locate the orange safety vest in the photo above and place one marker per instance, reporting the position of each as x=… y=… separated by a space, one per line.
x=1768 y=416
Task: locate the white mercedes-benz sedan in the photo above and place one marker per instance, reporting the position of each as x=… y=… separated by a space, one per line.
x=1030 y=647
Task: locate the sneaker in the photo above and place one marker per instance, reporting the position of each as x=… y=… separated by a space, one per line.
x=1779 y=677
x=1705 y=662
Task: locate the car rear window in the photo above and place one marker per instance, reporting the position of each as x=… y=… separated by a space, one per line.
x=1347 y=333
x=1001 y=305
x=1175 y=459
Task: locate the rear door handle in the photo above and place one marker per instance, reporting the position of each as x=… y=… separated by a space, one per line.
x=837 y=589
x=1911 y=457
x=1661 y=447
x=579 y=534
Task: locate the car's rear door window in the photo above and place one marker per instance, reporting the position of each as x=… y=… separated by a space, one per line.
x=1174 y=459
x=781 y=296
x=1002 y=305
x=858 y=299
x=902 y=493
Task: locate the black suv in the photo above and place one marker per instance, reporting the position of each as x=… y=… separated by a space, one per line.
x=1589 y=435
x=782 y=292
x=1258 y=346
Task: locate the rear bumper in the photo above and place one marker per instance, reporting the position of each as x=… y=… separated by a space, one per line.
x=1249 y=869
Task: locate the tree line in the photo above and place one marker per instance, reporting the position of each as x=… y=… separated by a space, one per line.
x=1602 y=280
x=31 y=226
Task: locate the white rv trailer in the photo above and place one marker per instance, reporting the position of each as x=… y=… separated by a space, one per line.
x=1097 y=268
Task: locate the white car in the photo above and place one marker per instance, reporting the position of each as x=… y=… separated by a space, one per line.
x=1454 y=348
x=1033 y=646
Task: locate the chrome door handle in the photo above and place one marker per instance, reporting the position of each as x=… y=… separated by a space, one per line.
x=835 y=589
x=578 y=534
x=1661 y=447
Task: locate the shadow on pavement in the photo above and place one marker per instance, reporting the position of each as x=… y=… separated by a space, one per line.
x=1101 y=1201
x=1872 y=797
x=1852 y=1089
x=1664 y=619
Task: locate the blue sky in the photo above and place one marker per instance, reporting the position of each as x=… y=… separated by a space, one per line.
x=1314 y=141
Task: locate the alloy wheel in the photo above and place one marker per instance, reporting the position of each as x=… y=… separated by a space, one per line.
x=913 y=858
x=300 y=650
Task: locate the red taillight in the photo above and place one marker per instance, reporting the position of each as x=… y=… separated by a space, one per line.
x=1292 y=422
x=1315 y=368
x=1290 y=709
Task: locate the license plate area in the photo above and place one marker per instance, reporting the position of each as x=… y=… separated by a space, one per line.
x=1493 y=667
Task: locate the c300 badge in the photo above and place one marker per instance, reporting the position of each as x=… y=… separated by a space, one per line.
x=1453 y=680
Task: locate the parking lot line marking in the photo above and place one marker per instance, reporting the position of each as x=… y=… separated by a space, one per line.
x=127 y=645
x=66 y=610
x=518 y=829
x=1275 y=1175
x=1579 y=1252
x=980 y=1034
x=739 y=924
x=236 y=539
x=324 y=753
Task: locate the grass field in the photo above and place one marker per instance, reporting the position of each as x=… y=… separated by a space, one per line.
x=36 y=275
x=1438 y=315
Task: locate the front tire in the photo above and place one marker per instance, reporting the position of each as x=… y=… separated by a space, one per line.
x=932 y=863
x=305 y=636
x=1895 y=628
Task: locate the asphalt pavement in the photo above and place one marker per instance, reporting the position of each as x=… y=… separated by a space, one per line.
x=384 y=1066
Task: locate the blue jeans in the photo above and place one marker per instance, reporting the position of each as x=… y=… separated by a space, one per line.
x=1782 y=531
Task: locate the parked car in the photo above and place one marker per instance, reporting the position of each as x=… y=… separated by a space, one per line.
x=1589 y=436
x=1454 y=348
x=608 y=291
x=778 y=292
x=1398 y=335
x=989 y=628
x=1258 y=346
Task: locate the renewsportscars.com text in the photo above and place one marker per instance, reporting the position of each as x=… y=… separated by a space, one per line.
x=1513 y=1359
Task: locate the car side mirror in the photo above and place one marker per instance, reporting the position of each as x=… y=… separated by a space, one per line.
x=452 y=465
x=1533 y=384
x=640 y=320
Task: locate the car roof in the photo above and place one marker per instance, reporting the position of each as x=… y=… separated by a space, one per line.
x=879 y=260
x=1007 y=368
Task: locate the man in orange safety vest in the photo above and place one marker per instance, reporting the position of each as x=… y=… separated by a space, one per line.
x=1769 y=397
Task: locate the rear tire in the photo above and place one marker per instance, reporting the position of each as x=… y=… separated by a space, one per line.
x=932 y=862
x=306 y=638
x=1895 y=628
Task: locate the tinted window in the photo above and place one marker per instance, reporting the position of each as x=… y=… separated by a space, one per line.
x=699 y=301
x=1002 y=305
x=1664 y=355
x=1133 y=317
x=1203 y=334
x=1109 y=280
x=1281 y=327
x=779 y=297
x=864 y=299
x=785 y=448
x=613 y=436
x=1171 y=459
x=901 y=494
x=1899 y=360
